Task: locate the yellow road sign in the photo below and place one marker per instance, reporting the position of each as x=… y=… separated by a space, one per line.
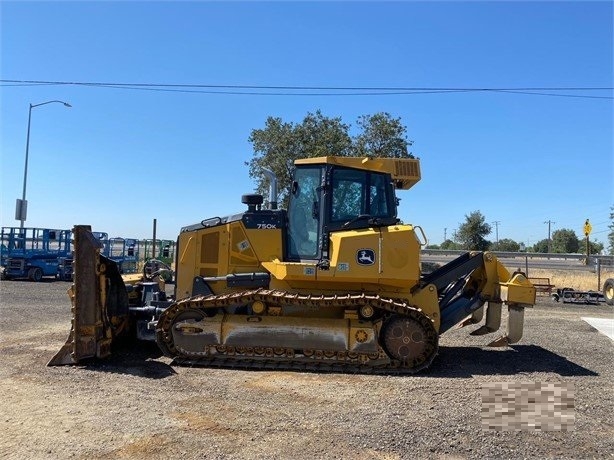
x=587 y=228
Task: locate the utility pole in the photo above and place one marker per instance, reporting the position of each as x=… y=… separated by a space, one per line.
x=496 y=222
x=549 y=222
x=445 y=233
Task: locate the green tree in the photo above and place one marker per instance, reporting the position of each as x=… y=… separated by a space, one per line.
x=274 y=148
x=505 y=245
x=382 y=136
x=280 y=143
x=319 y=136
x=541 y=246
x=594 y=247
x=470 y=235
x=565 y=241
x=449 y=244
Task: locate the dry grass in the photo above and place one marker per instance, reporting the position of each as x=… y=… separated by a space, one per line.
x=578 y=280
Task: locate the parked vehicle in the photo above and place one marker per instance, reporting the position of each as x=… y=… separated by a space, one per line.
x=33 y=253
x=332 y=283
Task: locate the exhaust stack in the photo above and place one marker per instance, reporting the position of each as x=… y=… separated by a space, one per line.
x=272 y=187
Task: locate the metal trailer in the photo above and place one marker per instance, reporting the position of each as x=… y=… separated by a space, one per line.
x=570 y=295
x=33 y=253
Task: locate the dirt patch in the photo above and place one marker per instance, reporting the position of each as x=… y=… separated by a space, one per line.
x=136 y=405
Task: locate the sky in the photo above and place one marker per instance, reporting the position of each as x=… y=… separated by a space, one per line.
x=120 y=158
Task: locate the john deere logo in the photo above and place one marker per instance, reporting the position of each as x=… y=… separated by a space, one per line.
x=365 y=257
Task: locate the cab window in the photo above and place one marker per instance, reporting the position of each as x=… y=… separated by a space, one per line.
x=378 y=198
x=303 y=214
x=356 y=193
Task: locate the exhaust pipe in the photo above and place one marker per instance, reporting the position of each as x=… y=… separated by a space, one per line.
x=272 y=187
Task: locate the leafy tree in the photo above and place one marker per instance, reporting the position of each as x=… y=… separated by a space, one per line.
x=541 y=246
x=382 y=136
x=594 y=247
x=433 y=246
x=318 y=136
x=449 y=244
x=279 y=143
x=471 y=234
x=505 y=245
x=274 y=147
x=565 y=241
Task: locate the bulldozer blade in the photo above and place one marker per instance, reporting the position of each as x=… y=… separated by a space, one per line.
x=99 y=302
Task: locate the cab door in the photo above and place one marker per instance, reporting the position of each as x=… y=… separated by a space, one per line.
x=304 y=231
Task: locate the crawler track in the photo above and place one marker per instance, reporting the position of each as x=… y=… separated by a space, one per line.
x=408 y=345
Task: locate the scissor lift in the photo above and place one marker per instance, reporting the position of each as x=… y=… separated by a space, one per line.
x=33 y=253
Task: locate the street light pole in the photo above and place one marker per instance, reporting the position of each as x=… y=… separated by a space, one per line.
x=22 y=205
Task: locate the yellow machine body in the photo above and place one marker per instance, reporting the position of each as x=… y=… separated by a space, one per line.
x=335 y=280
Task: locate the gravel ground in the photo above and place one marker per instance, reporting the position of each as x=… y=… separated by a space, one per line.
x=136 y=405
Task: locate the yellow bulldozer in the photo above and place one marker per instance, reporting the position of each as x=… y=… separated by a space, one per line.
x=332 y=283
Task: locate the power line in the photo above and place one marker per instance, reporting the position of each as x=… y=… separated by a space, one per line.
x=267 y=90
x=357 y=88
x=555 y=95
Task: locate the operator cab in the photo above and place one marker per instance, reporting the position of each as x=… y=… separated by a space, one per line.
x=327 y=198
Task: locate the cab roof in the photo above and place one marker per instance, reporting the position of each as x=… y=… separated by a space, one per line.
x=405 y=172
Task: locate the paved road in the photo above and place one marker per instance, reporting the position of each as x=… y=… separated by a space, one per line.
x=521 y=262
